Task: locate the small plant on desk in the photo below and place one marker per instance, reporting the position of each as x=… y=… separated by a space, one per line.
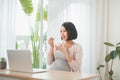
x=3 y=63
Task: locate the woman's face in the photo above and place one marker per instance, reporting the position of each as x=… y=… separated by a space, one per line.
x=63 y=33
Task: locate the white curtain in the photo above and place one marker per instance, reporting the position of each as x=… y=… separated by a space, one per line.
x=98 y=34
x=90 y=19
x=7 y=33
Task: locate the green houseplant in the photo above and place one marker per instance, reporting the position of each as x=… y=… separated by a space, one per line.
x=3 y=63
x=34 y=29
x=109 y=58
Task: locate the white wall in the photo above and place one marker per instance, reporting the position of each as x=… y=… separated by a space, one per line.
x=114 y=31
x=114 y=20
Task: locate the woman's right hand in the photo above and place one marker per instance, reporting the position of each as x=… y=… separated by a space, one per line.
x=51 y=41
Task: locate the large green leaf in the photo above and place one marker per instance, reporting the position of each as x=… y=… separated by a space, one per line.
x=118 y=51
x=118 y=43
x=36 y=37
x=108 y=58
x=109 y=44
x=27 y=6
x=113 y=54
x=38 y=13
x=45 y=13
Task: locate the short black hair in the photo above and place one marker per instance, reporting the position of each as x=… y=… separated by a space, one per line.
x=70 y=28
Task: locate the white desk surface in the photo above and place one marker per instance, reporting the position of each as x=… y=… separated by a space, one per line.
x=49 y=75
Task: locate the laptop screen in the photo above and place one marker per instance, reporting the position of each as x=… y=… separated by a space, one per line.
x=20 y=60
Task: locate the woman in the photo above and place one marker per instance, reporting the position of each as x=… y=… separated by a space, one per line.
x=66 y=56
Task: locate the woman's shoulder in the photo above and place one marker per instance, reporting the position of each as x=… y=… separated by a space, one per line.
x=77 y=45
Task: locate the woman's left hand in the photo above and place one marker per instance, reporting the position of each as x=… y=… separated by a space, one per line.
x=62 y=48
x=65 y=52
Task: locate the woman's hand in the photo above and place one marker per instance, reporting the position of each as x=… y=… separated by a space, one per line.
x=65 y=52
x=62 y=48
x=51 y=41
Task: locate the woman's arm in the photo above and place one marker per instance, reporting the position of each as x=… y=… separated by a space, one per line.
x=76 y=62
x=50 y=57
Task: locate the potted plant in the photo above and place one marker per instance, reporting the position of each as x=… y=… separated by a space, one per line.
x=28 y=8
x=3 y=63
x=109 y=59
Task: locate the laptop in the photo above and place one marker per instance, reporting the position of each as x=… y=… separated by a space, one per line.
x=21 y=61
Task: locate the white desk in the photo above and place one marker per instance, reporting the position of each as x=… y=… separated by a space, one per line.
x=49 y=75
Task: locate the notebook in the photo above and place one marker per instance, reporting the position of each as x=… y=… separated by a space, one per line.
x=21 y=61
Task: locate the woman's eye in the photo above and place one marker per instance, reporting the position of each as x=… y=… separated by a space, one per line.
x=64 y=30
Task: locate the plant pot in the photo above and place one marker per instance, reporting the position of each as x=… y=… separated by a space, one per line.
x=3 y=65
